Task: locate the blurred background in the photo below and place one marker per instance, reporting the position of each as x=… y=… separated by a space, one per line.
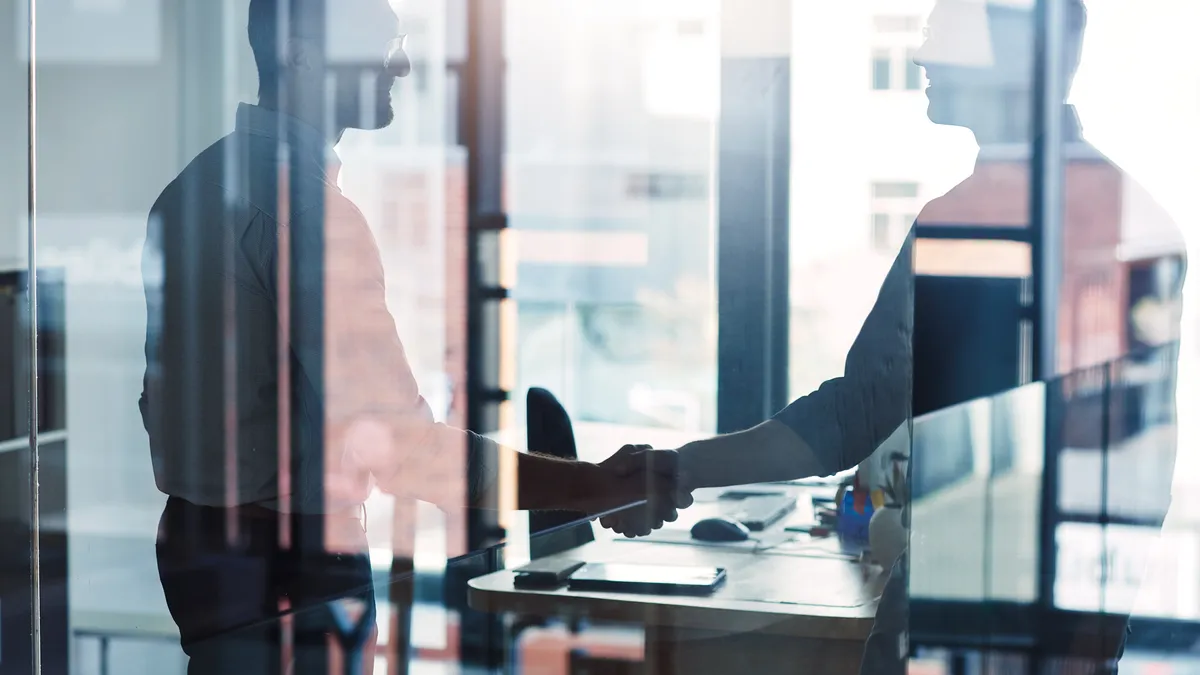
x=631 y=260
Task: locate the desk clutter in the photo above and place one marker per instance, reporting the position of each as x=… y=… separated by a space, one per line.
x=814 y=579
x=782 y=545
x=821 y=521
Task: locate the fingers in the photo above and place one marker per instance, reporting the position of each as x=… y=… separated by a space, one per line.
x=642 y=524
x=630 y=459
x=682 y=495
x=650 y=475
x=662 y=462
x=638 y=521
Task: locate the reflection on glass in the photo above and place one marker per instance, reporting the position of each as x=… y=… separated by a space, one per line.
x=610 y=183
x=19 y=540
x=949 y=543
x=609 y=189
x=977 y=481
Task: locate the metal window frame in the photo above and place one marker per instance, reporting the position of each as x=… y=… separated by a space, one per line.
x=752 y=242
x=752 y=238
x=481 y=129
x=1047 y=178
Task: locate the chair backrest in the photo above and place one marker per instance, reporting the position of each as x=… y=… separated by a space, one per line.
x=548 y=426
x=549 y=432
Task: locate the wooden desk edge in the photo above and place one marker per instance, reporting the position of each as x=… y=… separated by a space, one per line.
x=494 y=593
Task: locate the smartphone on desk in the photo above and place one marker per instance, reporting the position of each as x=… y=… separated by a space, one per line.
x=545 y=574
x=649 y=579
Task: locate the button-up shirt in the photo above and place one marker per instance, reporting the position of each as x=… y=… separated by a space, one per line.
x=268 y=329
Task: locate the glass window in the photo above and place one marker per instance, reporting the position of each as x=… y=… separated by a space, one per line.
x=881 y=235
x=897 y=24
x=609 y=154
x=234 y=335
x=913 y=77
x=881 y=70
x=17 y=456
x=894 y=190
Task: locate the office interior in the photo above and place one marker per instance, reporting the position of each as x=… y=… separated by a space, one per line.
x=669 y=218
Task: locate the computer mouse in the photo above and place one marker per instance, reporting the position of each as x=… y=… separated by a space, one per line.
x=719 y=529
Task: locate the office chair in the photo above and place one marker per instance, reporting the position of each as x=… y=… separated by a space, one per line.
x=548 y=432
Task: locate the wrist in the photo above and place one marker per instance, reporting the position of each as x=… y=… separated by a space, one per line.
x=685 y=475
x=591 y=485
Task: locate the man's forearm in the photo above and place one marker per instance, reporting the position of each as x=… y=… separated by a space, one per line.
x=768 y=452
x=543 y=482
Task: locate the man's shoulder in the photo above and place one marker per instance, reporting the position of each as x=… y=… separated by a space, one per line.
x=1097 y=193
x=221 y=176
x=1148 y=230
x=244 y=174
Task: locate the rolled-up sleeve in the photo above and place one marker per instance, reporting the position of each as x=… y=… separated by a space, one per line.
x=848 y=417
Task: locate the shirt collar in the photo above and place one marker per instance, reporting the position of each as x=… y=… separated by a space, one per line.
x=1072 y=139
x=1072 y=129
x=258 y=121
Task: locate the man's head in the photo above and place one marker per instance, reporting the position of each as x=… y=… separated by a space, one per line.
x=979 y=58
x=343 y=55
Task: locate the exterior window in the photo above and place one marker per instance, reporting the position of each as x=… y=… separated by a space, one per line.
x=881 y=71
x=893 y=204
x=897 y=24
x=667 y=186
x=894 y=42
x=894 y=190
x=880 y=226
x=912 y=72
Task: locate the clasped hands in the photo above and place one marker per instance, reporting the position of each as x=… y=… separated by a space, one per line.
x=651 y=477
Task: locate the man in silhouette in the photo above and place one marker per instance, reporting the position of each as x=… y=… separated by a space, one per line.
x=277 y=393
x=979 y=60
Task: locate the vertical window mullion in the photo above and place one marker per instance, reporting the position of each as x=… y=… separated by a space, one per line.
x=753 y=168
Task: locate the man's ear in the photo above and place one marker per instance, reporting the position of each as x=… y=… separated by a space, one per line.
x=299 y=54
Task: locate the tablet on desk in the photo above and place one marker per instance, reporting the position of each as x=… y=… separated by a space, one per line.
x=651 y=579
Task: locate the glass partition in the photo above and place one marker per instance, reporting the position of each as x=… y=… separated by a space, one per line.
x=21 y=560
x=980 y=543
x=320 y=319
x=1038 y=520
x=610 y=189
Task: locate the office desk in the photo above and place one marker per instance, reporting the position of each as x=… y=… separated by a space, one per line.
x=777 y=612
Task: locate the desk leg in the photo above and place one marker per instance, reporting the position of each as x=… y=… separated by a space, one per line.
x=402 y=594
x=661 y=644
x=676 y=651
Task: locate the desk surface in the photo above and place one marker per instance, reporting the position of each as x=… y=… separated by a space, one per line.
x=811 y=596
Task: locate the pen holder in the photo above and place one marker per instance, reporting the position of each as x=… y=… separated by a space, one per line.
x=854 y=525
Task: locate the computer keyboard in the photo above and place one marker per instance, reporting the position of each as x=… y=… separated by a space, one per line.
x=759 y=513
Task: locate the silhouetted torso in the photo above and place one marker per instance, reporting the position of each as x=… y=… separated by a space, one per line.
x=211 y=402
x=227 y=385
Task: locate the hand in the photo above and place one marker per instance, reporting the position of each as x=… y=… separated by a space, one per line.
x=653 y=475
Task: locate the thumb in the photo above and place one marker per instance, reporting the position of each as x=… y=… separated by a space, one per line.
x=683 y=492
x=628 y=460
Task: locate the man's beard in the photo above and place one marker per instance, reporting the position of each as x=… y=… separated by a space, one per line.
x=362 y=97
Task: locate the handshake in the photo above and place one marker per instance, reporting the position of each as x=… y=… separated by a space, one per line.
x=649 y=484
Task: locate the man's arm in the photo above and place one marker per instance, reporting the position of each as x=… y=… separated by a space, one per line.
x=840 y=424
x=376 y=421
